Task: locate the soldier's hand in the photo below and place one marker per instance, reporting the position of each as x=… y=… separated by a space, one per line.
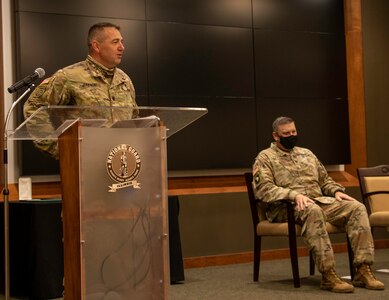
x=342 y=196
x=302 y=202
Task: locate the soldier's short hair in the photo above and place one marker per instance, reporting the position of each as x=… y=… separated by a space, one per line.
x=97 y=28
x=281 y=121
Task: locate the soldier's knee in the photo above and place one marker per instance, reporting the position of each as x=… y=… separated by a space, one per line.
x=358 y=205
x=316 y=210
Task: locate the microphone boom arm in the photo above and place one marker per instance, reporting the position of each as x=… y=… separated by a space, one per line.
x=6 y=197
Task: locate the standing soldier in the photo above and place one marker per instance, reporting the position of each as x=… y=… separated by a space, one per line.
x=95 y=81
x=284 y=171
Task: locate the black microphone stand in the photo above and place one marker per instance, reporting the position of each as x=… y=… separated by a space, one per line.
x=6 y=197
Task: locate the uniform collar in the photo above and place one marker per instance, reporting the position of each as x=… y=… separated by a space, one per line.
x=99 y=69
x=275 y=148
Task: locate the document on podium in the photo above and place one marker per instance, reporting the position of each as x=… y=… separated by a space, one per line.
x=142 y=122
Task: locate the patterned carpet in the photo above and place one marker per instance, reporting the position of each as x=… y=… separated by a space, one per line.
x=234 y=282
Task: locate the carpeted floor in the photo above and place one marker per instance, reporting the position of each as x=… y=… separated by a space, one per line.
x=234 y=282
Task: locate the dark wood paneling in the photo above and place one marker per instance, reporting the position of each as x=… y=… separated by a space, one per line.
x=200 y=60
x=224 y=138
x=300 y=64
x=235 y=13
x=299 y=15
x=122 y=9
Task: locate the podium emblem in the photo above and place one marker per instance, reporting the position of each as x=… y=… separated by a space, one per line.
x=123 y=166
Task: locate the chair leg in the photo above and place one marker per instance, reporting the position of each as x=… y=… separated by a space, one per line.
x=350 y=258
x=311 y=264
x=294 y=260
x=257 y=256
x=293 y=245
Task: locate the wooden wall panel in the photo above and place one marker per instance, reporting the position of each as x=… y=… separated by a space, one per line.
x=355 y=83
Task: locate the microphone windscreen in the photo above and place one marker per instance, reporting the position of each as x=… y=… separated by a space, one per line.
x=40 y=72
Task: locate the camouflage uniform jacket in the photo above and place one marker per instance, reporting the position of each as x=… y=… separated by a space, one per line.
x=283 y=175
x=85 y=83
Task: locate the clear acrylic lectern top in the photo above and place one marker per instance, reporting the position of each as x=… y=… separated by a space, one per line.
x=49 y=122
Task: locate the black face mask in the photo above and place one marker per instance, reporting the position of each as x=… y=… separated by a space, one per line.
x=288 y=142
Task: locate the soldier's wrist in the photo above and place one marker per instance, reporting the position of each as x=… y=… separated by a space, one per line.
x=338 y=190
x=292 y=195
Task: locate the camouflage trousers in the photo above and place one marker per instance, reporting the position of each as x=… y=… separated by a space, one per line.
x=350 y=215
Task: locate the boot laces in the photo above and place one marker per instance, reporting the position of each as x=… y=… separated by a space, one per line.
x=368 y=271
x=332 y=274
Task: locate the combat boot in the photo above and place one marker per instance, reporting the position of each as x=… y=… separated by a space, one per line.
x=332 y=282
x=365 y=278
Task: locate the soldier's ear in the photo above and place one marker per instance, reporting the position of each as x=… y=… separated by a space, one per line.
x=275 y=136
x=95 y=46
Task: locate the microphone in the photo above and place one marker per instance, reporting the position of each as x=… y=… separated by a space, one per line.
x=38 y=73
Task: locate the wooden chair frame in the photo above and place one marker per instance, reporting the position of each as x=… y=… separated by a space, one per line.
x=363 y=173
x=380 y=170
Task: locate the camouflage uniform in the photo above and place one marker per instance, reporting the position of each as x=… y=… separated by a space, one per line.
x=86 y=83
x=284 y=175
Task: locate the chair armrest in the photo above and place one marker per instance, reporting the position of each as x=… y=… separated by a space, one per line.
x=375 y=193
x=365 y=198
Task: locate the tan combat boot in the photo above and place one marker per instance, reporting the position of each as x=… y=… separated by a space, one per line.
x=365 y=278
x=332 y=282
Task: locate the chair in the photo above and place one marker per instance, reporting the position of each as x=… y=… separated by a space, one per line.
x=262 y=227
x=374 y=185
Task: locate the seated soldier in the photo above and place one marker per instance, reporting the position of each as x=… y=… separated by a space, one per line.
x=284 y=171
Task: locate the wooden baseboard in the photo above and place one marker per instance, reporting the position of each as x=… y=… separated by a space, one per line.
x=246 y=257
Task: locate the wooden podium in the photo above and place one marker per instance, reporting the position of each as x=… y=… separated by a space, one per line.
x=114 y=195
